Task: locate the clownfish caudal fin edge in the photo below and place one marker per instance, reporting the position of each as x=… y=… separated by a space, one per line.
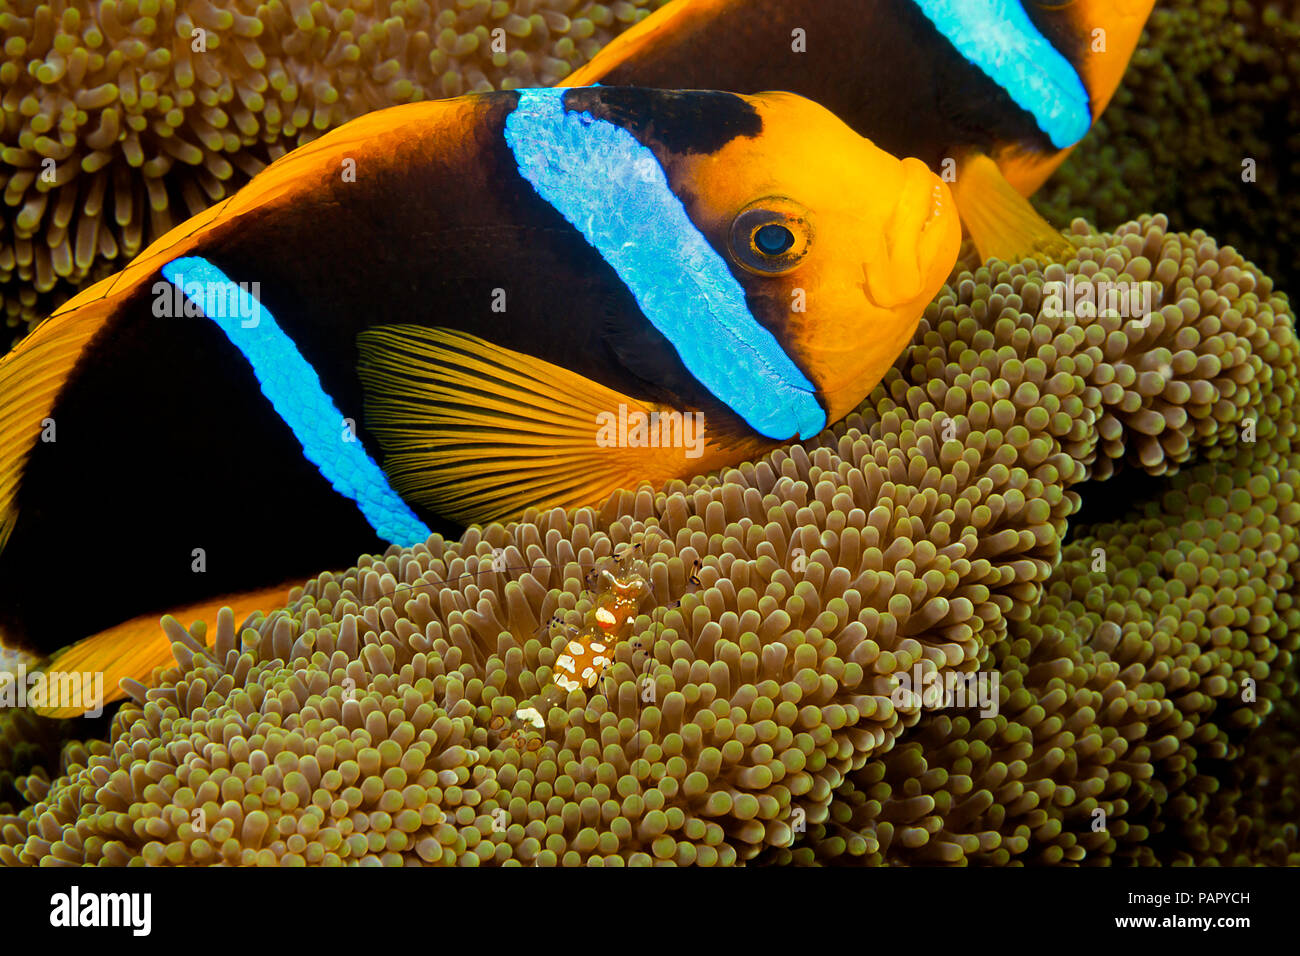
x=1001 y=222
x=134 y=649
x=477 y=432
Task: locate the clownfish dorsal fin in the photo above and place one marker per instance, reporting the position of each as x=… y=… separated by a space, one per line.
x=477 y=432
x=31 y=377
x=662 y=26
x=1002 y=222
x=33 y=374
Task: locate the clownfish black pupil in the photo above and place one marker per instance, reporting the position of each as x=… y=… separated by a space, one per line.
x=773 y=239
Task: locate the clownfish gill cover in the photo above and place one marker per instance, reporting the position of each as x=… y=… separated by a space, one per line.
x=664 y=432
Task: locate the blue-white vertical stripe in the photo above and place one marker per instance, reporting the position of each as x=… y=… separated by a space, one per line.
x=613 y=191
x=294 y=390
x=999 y=38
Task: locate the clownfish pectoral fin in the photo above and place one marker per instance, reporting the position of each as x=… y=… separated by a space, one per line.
x=477 y=432
x=1002 y=222
x=134 y=649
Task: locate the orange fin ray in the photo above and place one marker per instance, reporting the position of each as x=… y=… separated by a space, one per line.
x=1002 y=222
x=478 y=432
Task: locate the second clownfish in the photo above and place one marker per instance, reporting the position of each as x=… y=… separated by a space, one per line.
x=991 y=94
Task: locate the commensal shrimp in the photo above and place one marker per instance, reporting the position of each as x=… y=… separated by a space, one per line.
x=620 y=590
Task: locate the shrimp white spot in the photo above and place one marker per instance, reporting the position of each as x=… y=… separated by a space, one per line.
x=532 y=715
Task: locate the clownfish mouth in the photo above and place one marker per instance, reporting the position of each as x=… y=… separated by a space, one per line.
x=915 y=251
x=914 y=237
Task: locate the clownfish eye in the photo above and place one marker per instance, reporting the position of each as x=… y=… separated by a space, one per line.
x=771 y=236
x=772 y=239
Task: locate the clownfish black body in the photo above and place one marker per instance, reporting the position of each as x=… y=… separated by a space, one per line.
x=992 y=94
x=443 y=313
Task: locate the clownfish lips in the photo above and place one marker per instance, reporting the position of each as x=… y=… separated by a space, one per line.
x=913 y=241
x=914 y=252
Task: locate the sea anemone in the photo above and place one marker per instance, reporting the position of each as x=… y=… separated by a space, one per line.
x=760 y=717
x=1131 y=699
x=1246 y=816
x=122 y=119
x=1205 y=128
x=29 y=750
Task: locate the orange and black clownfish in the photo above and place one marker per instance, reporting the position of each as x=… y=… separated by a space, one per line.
x=991 y=93
x=446 y=310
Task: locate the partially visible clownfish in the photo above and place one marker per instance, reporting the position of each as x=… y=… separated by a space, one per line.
x=446 y=311
x=993 y=92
